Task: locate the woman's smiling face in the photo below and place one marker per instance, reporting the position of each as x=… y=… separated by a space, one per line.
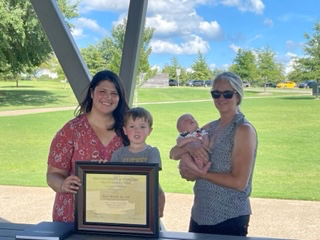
x=105 y=97
x=221 y=103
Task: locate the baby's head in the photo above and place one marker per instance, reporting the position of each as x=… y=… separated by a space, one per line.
x=186 y=122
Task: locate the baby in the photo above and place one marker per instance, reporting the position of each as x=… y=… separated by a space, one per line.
x=189 y=131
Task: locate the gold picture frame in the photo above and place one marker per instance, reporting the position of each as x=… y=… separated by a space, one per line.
x=117 y=198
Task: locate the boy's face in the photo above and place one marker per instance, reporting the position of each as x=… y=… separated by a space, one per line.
x=137 y=131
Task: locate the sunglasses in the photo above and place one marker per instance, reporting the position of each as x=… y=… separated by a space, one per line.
x=226 y=94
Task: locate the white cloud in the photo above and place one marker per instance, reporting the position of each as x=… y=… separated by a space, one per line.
x=82 y=24
x=77 y=32
x=225 y=67
x=192 y=46
x=255 y=38
x=268 y=22
x=173 y=18
x=157 y=67
x=104 y=5
x=291 y=16
x=179 y=29
x=290 y=62
x=212 y=66
x=293 y=46
x=90 y=24
x=211 y=30
x=190 y=70
x=234 y=48
x=255 y=6
x=175 y=7
x=163 y=26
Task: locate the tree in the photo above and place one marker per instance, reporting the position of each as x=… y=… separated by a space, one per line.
x=297 y=74
x=309 y=65
x=245 y=66
x=171 y=69
x=269 y=70
x=23 y=43
x=108 y=53
x=52 y=64
x=217 y=71
x=93 y=59
x=111 y=49
x=201 y=70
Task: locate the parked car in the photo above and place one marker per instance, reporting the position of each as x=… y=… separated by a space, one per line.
x=288 y=84
x=173 y=82
x=307 y=84
x=270 y=85
x=189 y=83
x=245 y=84
x=195 y=83
x=198 y=83
x=208 y=83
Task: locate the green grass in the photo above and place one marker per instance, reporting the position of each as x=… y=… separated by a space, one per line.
x=43 y=94
x=33 y=94
x=287 y=165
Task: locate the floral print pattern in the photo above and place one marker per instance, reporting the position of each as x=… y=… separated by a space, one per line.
x=76 y=141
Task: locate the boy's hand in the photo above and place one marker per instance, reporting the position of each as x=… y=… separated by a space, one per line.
x=162 y=200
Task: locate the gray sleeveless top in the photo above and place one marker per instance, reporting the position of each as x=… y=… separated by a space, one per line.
x=214 y=204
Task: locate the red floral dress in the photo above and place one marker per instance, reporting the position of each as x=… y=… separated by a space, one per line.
x=76 y=141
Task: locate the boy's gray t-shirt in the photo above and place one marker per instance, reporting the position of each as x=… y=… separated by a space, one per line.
x=148 y=155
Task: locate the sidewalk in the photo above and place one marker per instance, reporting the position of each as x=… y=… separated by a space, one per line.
x=271 y=217
x=32 y=111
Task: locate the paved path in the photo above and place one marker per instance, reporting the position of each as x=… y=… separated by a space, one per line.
x=32 y=111
x=271 y=218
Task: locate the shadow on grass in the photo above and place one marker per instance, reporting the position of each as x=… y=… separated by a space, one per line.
x=26 y=98
x=299 y=98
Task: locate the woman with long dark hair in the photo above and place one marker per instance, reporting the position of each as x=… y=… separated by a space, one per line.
x=93 y=135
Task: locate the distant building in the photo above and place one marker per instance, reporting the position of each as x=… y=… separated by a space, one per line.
x=159 y=80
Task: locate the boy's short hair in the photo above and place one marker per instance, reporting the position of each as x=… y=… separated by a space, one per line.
x=138 y=112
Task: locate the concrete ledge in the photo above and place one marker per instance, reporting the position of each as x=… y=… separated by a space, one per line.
x=271 y=217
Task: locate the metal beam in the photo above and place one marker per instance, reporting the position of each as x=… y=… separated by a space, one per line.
x=69 y=56
x=132 y=45
x=63 y=45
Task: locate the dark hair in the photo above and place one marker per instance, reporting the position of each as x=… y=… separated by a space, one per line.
x=138 y=112
x=86 y=105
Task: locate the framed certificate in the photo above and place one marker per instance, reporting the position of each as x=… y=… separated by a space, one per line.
x=117 y=198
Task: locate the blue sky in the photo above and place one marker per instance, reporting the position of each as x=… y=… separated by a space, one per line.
x=216 y=28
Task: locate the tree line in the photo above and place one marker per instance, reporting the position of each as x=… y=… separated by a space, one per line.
x=24 y=49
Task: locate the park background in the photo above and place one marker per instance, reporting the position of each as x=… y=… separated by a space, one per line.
x=287 y=124
x=286 y=120
x=287 y=165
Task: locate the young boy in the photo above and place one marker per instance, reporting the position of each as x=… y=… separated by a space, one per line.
x=189 y=131
x=138 y=126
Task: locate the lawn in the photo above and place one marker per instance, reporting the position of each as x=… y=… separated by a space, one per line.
x=35 y=94
x=287 y=165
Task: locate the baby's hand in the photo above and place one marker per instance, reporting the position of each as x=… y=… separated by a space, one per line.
x=200 y=164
